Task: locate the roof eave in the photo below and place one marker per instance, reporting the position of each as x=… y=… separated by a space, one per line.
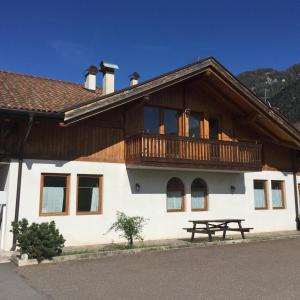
x=47 y=115
x=130 y=94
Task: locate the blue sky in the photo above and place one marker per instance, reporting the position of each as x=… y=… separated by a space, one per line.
x=60 y=39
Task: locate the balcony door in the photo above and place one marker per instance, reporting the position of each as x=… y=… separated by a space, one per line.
x=152 y=120
x=214 y=128
x=160 y=121
x=170 y=118
x=195 y=121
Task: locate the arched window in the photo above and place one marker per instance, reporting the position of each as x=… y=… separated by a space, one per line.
x=199 y=195
x=175 y=195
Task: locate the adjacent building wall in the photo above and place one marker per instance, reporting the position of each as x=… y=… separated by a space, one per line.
x=119 y=195
x=9 y=176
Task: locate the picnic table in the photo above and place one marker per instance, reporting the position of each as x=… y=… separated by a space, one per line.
x=210 y=227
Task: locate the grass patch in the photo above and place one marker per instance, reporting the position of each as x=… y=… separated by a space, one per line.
x=114 y=247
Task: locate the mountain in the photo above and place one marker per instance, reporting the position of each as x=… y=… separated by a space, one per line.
x=280 y=88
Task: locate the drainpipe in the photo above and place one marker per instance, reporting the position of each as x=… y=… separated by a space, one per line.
x=20 y=165
x=296 y=192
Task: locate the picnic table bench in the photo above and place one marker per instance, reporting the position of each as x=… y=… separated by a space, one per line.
x=210 y=227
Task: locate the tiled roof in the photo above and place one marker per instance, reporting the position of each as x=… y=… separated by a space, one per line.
x=26 y=92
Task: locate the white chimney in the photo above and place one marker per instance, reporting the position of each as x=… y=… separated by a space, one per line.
x=134 y=78
x=90 y=78
x=108 y=71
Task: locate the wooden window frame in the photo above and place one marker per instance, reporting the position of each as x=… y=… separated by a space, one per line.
x=205 y=196
x=66 y=212
x=282 y=187
x=182 y=209
x=265 y=182
x=100 y=200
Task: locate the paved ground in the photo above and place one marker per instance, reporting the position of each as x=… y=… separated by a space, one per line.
x=13 y=286
x=260 y=270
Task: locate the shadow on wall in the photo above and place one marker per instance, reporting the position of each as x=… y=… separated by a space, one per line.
x=59 y=163
x=145 y=181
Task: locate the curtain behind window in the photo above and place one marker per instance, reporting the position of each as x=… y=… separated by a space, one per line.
x=53 y=199
x=259 y=196
x=276 y=198
x=198 y=199
x=174 y=200
x=95 y=199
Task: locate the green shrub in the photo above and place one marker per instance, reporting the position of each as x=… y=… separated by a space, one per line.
x=40 y=241
x=130 y=227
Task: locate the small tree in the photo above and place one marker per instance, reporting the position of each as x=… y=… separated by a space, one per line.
x=38 y=241
x=130 y=227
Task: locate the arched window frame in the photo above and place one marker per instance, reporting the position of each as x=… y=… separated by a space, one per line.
x=205 y=190
x=181 y=188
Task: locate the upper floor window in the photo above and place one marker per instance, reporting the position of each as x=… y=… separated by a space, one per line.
x=151 y=119
x=278 y=198
x=175 y=195
x=195 y=125
x=170 y=121
x=161 y=121
x=199 y=195
x=54 y=194
x=214 y=128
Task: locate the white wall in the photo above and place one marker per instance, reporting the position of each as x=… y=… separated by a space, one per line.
x=8 y=185
x=150 y=202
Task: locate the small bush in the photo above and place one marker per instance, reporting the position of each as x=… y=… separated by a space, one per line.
x=130 y=227
x=40 y=241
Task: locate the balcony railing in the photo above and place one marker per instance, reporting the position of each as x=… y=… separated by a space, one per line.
x=165 y=150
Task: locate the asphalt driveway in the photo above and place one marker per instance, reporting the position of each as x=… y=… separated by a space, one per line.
x=13 y=286
x=260 y=270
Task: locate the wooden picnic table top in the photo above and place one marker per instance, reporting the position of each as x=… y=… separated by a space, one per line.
x=216 y=221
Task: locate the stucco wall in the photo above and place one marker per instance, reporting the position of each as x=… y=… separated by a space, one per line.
x=119 y=195
x=9 y=181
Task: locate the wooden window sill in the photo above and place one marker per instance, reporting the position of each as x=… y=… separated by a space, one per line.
x=86 y=213
x=175 y=210
x=54 y=214
x=199 y=209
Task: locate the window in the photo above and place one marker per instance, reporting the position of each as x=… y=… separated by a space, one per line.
x=260 y=194
x=54 y=199
x=151 y=119
x=170 y=121
x=195 y=125
x=89 y=194
x=199 y=195
x=175 y=195
x=213 y=128
x=161 y=121
x=278 y=200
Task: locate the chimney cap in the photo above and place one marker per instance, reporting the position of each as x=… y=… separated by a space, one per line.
x=134 y=76
x=93 y=70
x=108 y=67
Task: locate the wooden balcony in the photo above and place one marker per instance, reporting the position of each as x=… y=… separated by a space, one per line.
x=171 y=151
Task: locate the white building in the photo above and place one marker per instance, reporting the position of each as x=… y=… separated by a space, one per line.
x=190 y=144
